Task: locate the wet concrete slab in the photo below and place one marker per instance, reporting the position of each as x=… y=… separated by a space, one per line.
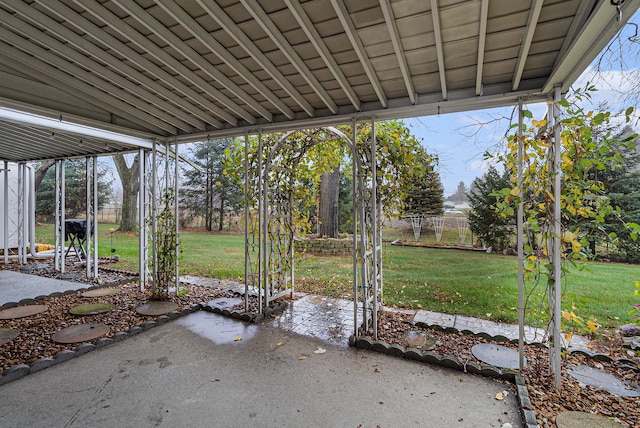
x=178 y=375
x=15 y=286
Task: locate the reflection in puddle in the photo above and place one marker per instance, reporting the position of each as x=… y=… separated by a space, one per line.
x=217 y=328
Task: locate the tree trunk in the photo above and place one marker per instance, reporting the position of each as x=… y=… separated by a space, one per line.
x=221 y=213
x=130 y=188
x=42 y=171
x=329 y=192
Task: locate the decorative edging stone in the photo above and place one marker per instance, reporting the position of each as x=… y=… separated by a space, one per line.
x=20 y=370
x=449 y=361
x=273 y=310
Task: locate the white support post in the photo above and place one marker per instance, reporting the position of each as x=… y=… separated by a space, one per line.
x=154 y=221
x=374 y=228
x=557 y=256
x=21 y=213
x=354 y=189
x=246 y=222
x=176 y=187
x=87 y=229
x=58 y=250
x=94 y=220
x=520 y=240
x=5 y=209
x=63 y=197
x=261 y=238
x=142 y=215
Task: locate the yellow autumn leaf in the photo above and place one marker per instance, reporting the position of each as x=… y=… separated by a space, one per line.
x=515 y=191
x=279 y=344
x=568 y=336
x=593 y=325
x=302 y=358
x=238 y=338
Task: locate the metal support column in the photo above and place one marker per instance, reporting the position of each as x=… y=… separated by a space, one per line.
x=374 y=229
x=154 y=220
x=94 y=219
x=176 y=190
x=87 y=230
x=354 y=206
x=21 y=213
x=5 y=209
x=261 y=239
x=520 y=240
x=557 y=226
x=246 y=222
x=143 y=265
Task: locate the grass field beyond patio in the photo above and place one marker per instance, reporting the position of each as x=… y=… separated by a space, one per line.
x=451 y=281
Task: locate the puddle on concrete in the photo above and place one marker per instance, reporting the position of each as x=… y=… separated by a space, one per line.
x=217 y=328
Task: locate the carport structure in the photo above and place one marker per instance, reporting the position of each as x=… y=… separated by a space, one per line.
x=157 y=73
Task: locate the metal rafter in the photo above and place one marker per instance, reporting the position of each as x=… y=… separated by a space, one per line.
x=37 y=56
x=183 y=121
x=482 y=39
x=437 y=33
x=97 y=33
x=358 y=47
x=397 y=47
x=281 y=42
x=134 y=36
x=89 y=49
x=184 y=19
x=307 y=26
x=142 y=16
x=534 y=14
x=227 y=24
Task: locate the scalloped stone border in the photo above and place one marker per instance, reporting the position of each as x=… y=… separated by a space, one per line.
x=486 y=370
x=21 y=370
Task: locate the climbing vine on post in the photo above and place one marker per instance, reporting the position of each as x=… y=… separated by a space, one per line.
x=167 y=241
x=587 y=145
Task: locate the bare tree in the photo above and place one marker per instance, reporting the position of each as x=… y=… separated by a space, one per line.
x=130 y=186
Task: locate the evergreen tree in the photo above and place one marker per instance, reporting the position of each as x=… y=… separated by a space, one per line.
x=494 y=231
x=75 y=189
x=461 y=193
x=209 y=192
x=424 y=194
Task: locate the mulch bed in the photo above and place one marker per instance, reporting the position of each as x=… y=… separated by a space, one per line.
x=547 y=402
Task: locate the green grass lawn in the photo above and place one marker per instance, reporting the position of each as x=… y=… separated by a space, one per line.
x=451 y=281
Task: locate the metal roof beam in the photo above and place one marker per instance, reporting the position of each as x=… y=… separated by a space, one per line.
x=116 y=24
x=281 y=42
x=525 y=44
x=482 y=39
x=316 y=40
x=358 y=47
x=76 y=80
x=175 y=42
x=217 y=13
x=97 y=33
x=397 y=47
x=183 y=121
x=187 y=21
x=89 y=49
x=437 y=32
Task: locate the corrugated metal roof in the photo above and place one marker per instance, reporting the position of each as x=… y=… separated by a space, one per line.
x=159 y=69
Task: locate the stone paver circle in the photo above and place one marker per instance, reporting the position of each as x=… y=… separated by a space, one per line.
x=497 y=355
x=91 y=309
x=584 y=420
x=601 y=379
x=22 y=311
x=101 y=292
x=7 y=335
x=155 y=308
x=80 y=333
